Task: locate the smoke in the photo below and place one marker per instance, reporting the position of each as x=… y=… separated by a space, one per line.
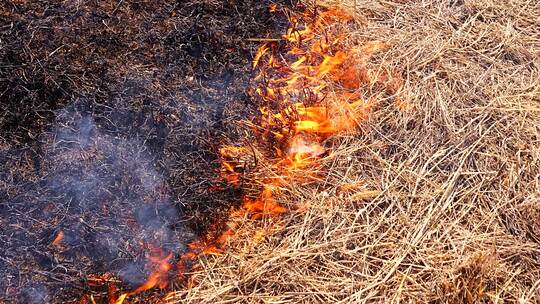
x=104 y=191
x=37 y=294
x=118 y=202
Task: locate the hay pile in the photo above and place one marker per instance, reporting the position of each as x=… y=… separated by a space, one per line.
x=449 y=209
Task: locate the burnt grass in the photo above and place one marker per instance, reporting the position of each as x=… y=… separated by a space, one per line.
x=111 y=116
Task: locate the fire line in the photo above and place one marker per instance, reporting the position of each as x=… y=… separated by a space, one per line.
x=310 y=89
x=309 y=92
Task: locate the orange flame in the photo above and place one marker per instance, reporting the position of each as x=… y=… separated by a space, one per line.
x=58 y=239
x=262 y=50
x=308 y=94
x=158 y=277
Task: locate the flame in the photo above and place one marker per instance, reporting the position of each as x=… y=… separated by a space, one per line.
x=307 y=95
x=58 y=239
x=264 y=205
x=311 y=87
x=262 y=50
x=159 y=277
x=121 y=298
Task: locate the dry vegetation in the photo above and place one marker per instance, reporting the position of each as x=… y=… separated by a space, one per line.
x=449 y=210
x=446 y=207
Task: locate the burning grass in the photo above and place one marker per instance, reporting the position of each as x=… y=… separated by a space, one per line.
x=394 y=156
x=308 y=93
x=433 y=199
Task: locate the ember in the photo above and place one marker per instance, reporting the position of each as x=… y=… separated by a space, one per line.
x=58 y=239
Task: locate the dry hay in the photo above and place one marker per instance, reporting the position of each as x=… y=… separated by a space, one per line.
x=449 y=204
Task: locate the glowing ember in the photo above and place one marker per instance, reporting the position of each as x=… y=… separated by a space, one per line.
x=58 y=239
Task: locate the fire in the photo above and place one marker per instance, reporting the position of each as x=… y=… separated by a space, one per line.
x=259 y=54
x=310 y=90
x=311 y=87
x=58 y=239
x=159 y=277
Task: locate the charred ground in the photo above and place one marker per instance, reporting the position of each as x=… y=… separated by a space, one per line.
x=108 y=106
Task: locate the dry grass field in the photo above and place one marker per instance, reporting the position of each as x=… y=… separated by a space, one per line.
x=448 y=207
